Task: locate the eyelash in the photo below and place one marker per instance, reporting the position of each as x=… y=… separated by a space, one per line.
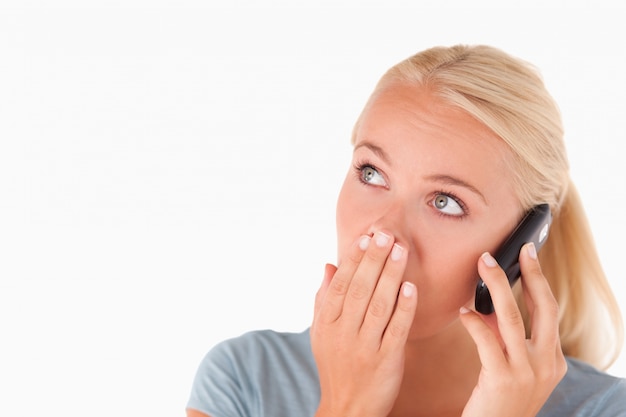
x=456 y=199
x=359 y=166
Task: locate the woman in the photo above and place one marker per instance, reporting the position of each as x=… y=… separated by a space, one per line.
x=454 y=146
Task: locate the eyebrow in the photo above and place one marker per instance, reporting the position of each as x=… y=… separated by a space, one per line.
x=450 y=180
x=376 y=149
x=441 y=178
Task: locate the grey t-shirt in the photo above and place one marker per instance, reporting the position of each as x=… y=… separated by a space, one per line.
x=267 y=373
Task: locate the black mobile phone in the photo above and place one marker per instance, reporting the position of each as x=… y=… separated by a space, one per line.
x=534 y=227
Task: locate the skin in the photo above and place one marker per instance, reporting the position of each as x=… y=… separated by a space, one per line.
x=393 y=333
x=379 y=350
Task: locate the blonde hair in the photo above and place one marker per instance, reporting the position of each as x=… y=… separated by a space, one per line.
x=508 y=96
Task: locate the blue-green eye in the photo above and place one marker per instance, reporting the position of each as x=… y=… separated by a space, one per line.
x=448 y=205
x=369 y=175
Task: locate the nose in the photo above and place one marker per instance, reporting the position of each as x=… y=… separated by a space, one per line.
x=393 y=219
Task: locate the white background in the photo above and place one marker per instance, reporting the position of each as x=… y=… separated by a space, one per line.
x=168 y=174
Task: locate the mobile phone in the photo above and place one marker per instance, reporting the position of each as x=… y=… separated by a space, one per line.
x=534 y=227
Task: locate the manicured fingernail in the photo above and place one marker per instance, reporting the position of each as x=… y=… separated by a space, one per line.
x=408 y=288
x=464 y=310
x=381 y=239
x=396 y=252
x=532 y=251
x=364 y=242
x=489 y=260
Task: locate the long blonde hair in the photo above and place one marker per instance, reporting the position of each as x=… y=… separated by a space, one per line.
x=509 y=96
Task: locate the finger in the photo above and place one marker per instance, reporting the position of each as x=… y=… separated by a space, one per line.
x=491 y=320
x=542 y=306
x=397 y=330
x=487 y=343
x=385 y=295
x=510 y=320
x=331 y=305
x=329 y=272
x=366 y=278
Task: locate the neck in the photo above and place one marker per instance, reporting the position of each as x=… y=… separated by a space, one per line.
x=440 y=373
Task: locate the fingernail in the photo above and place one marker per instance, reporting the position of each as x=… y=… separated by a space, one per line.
x=396 y=252
x=532 y=251
x=464 y=310
x=408 y=288
x=489 y=260
x=364 y=242
x=381 y=239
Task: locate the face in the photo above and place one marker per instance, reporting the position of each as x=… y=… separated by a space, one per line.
x=438 y=181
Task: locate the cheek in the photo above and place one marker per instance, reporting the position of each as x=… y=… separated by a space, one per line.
x=446 y=274
x=353 y=216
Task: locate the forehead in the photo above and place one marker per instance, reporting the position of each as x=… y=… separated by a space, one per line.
x=401 y=111
x=420 y=130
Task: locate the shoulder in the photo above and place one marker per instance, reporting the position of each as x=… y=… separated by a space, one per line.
x=256 y=372
x=257 y=352
x=263 y=346
x=267 y=339
x=586 y=391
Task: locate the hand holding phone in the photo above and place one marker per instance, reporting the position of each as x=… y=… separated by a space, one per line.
x=534 y=227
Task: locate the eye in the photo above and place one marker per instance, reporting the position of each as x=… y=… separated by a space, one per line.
x=448 y=205
x=369 y=175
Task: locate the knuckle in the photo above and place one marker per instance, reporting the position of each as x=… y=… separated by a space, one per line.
x=362 y=356
x=509 y=381
x=523 y=377
x=339 y=286
x=378 y=307
x=373 y=255
x=405 y=306
x=514 y=317
x=397 y=330
x=534 y=268
x=544 y=376
x=551 y=375
x=358 y=291
x=552 y=308
x=355 y=257
x=549 y=309
x=526 y=378
x=478 y=329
